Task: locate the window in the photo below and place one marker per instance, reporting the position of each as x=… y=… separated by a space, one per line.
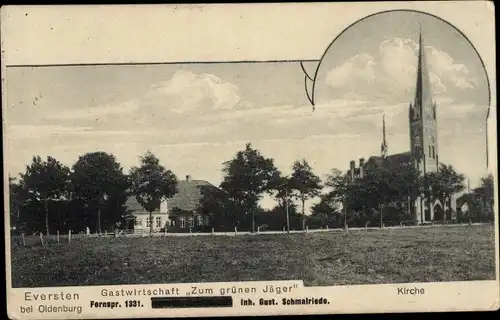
x=190 y=222
x=430 y=152
x=433 y=153
x=148 y=222
x=200 y=220
x=137 y=222
x=172 y=223
x=158 y=222
x=182 y=222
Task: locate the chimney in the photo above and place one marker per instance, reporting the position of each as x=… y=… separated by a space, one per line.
x=188 y=177
x=361 y=164
x=353 y=166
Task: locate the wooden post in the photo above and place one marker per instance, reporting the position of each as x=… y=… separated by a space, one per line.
x=366 y=226
x=213 y=231
x=287 y=214
x=401 y=224
x=307 y=229
x=258 y=230
x=57 y=236
x=326 y=228
x=41 y=238
x=105 y=233
x=235 y=231
x=69 y=235
x=165 y=233
x=189 y=229
x=24 y=240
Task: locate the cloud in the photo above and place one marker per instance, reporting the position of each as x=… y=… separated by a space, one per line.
x=389 y=74
x=96 y=113
x=453 y=73
x=16 y=132
x=186 y=92
x=30 y=132
x=360 y=68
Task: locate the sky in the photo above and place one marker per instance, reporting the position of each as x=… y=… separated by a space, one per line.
x=196 y=116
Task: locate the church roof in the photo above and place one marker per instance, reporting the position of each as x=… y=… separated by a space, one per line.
x=392 y=160
x=423 y=95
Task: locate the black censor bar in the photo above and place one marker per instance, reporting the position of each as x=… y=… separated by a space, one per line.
x=191 y=302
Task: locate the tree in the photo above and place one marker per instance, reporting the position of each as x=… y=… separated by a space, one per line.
x=215 y=204
x=152 y=183
x=17 y=198
x=306 y=184
x=246 y=177
x=340 y=185
x=381 y=187
x=443 y=184
x=98 y=182
x=282 y=191
x=326 y=212
x=45 y=181
x=484 y=197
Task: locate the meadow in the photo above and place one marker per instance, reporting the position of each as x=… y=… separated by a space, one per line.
x=328 y=258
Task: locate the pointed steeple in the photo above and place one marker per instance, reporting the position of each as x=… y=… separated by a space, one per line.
x=383 y=148
x=423 y=95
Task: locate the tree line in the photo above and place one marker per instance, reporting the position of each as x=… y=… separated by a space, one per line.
x=92 y=193
x=50 y=196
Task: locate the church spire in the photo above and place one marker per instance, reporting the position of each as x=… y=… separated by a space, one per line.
x=423 y=96
x=383 y=148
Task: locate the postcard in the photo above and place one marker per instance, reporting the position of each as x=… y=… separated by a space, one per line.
x=249 y=159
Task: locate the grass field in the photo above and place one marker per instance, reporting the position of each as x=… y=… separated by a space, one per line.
x=334 y=258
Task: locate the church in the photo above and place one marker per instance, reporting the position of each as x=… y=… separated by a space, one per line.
x=424 y=149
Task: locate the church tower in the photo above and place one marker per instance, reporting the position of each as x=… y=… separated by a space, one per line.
x=422 y=118
x=383 y=147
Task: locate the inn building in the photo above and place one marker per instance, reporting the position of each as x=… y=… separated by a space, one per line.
x=181 y=213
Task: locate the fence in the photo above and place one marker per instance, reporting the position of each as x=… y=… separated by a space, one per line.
x=67 y=238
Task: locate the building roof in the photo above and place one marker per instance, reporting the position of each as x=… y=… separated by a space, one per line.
x=188 y=197
x=392 y=160
x=133 y=205
x=190 y=194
